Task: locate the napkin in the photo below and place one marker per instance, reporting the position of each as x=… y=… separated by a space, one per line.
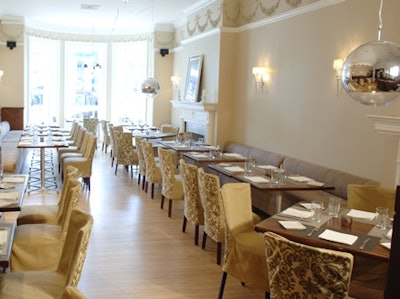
x=58 y=143
x=297 y=213
x=234 y=168
x=267 y=167
x=9 y=195
x=3 y=237
x=334 y=236
x=25 y=143
x=315 y=183
x=14 y=179
x=361 y=214
x=301 y=179
x=306 y=205
x=233 y=155
x=224 y=164
x=389 y=233
x=257 y=179
x=292 y=225
x=6 y=186
x=386 y=244
x=197 y=155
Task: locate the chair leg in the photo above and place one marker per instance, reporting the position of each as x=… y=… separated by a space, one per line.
x=184 y=224
x=219 y=251
x=170 y=208
x=146 y=188
x=138 y=179
x=162 y=202
x=196 y=235
x=152 y=190
x=116 y=168
x=144 y=182
x=267 y=295
x=222 y=286
x=203 y=244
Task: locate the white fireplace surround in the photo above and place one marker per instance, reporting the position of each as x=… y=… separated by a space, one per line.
x=199 y=113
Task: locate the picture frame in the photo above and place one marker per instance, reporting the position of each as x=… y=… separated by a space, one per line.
x=193 y=79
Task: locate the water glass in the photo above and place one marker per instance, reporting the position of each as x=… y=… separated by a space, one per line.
x=278 y=175
x=382 y=219
x=1 y=170
x=317 y=207
x=249 y=165
x=334 y=206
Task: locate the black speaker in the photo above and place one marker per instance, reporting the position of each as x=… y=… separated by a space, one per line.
x=11 y=44
x=164 y=52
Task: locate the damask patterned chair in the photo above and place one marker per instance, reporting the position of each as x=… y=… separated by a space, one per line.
x=153 y=171
x=51 y=214
x=244 y=256
x=38 y=246
x=214 y=221
x=172 y=187
x=90 y=124
x=169 y=128
x=114 y=150
x=142 y=162
x=300 y=271
x=193 y=209
x=72 y=293
x=106 y=136
x=52 y=283
x=126 y=155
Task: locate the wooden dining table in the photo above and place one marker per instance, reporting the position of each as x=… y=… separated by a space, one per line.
x=12 y=192
x=7 y=231
x=368 y=236
x=262 y=185
x=202 y=159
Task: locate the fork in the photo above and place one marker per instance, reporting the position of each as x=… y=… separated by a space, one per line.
x=312 y=231
x=364 y=243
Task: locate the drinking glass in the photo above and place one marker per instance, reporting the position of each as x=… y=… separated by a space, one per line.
x=248 y=166
x=382 y=218
x=1 y=170
x=317 y=207
x=334 y=206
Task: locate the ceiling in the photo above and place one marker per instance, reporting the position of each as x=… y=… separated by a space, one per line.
x=99 y=16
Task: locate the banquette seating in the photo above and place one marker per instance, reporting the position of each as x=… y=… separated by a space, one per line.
x=12 y=157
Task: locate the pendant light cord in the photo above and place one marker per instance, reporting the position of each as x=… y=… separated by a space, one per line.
x=380 y=21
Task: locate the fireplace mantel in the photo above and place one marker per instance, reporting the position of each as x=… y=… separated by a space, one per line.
x=198 y=113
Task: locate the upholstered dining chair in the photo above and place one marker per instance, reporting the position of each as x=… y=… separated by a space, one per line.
x=52 y=283
x=169 y=128
x=193 y=209
x=172 y=187
x=38 y=246
x=72 y=293
x=51 y=214
x=84 y=164
x=64 y=153
x=127 y=154
x=106 y=136
x=114 y=149
x=367 y=197
x=300 y=271
x=142 y=162
x=153 y=171
x=214 y=221
x=91 y=124
x=244 y=256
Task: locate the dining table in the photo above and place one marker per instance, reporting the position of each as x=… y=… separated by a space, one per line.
x=203 y=159
x=6 y=240
x=359 y=236
x=266 y=192
x=12 y=191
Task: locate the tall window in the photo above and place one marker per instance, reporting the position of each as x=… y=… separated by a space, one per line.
x=43 y=81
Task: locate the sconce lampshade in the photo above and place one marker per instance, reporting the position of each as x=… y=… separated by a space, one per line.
x=371 y=73
x=151 y=86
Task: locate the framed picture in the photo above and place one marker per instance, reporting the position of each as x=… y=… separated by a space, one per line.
x=193 y=79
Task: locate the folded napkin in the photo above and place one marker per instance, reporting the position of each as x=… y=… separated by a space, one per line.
x=199 y=155
x=3 y=237
x=361 y=214
x=389 y=233
x=337 y=237
x=386 y=244
x=6 y=186
x=233 y=155
x=56 y=143
x=25 y=143
x=315 y=183
x=257 y=179
x=14 y=179
x=292 y=225
x=301 y=179
x=297 y=213
x=267 y=167
x=234 y=168
x=9 y=195
x=224 y=164
x=306 y=205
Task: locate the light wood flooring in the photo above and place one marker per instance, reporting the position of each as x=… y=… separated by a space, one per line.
x=135 y=250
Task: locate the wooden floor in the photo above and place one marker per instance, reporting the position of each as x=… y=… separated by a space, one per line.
x=135 y=250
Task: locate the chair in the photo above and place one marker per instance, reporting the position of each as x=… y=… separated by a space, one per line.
x=72 y=293
x=214 y=221
x=114 y=150
x=52 y=283
x=73 y=151
x=367 y=197
x=106 y=137
x=84 y=164
x=126 y=155
x=51 y=214
x=169 y=128
x=172 y=188
x=90 y=124
x=300 y=271
x=38 y=246
x=193 y=209
x=142 y=162
x=153 y=172
x=244 y=247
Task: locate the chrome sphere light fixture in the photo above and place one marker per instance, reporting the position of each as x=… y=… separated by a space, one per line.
x=371 y=73
x=151 y=86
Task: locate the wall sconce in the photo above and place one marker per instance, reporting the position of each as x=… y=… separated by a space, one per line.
x=260 y=74
x=337 y=66
x=175 y=84
x=1 y=75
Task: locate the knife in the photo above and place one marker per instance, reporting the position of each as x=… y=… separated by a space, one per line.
x=364 y=243
x=312 y=231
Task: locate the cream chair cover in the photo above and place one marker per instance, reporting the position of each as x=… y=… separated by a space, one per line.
x=126 y=155
x=142 y=162
x=114 y=150
x=153 y=172
x=84 y=164
x=106 y=137
x=300 y=271
x=172 y=188
x=51 y=214
x=244 y=248
x=214 y=219
x=70 y=152
x=77 y=148
x=193 y=209
x=38 y=246
x=52 y=283
x=72 y=293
